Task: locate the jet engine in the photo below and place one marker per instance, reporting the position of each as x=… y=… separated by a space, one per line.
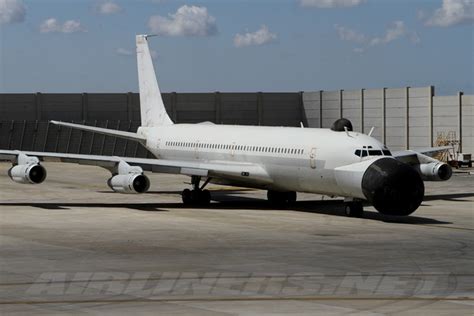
x=27 y=170
x=435 y=171
x=391 y=186
x=129 y=179
x=32 y=174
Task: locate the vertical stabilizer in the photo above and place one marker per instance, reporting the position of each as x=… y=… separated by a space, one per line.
x=152 y=109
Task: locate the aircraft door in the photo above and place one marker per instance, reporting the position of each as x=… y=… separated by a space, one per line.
x=196 y=150
x=312 y=158
x=158 y=149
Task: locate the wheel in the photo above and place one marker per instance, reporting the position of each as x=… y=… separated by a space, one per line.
x=186 y=195
x=205 y=197
x=291 y=197
x=271 y=196
x=354 y=209
x=281 y=198
x=276 y=198
x=196 y=197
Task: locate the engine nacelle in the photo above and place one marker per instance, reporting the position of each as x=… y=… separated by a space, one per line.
x=129 y=183
x=392 y=187
x=32 y=174
x=435 y=171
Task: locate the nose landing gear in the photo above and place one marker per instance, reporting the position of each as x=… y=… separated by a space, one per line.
x=197 y=196
x=354 y=209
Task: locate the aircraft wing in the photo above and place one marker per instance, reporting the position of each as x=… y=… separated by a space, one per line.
x=429 y=151
x=414 y=157
x=217 y=169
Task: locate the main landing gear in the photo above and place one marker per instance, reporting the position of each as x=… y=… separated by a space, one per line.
x=354 y=209
x=197 y=196
x=281 y=198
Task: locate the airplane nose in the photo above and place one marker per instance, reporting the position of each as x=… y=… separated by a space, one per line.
x=392 y=187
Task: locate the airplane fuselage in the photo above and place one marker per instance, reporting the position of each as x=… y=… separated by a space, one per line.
x=295 y=159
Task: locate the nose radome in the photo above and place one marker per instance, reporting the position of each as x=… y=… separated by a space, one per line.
x=392 y=187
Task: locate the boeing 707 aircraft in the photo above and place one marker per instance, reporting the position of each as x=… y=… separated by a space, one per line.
x=281 y=160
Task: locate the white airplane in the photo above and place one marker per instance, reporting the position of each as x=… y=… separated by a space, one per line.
x=282 y=160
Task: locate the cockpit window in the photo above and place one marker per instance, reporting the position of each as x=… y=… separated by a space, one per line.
x=361 y=153
x=373 y=152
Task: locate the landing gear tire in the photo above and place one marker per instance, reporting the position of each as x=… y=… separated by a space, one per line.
x=187 y=197
x=281 y=198
x=354 y=209
x=196 y=197
x=291 y=197
x=206 y=197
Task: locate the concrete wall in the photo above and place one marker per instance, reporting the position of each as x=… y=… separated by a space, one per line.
x=23 y=117
x=402 y=118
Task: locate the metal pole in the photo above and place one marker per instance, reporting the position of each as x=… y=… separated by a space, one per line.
x=384 y=115
x=460 y=94
x=39 y=109
x=217 y=107
x=22 y=135
x=69 y=139
x=430 y=105
x=362 y=110
x=320 y=108
x=407 y=118
x=260 y=108
x=85 y=106
x=341 y=96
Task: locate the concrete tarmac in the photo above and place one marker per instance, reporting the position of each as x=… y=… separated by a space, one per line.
x=71 y=246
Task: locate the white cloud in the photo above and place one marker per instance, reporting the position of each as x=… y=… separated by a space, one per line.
x=12 y=11
x=452 y=12
x=124 y=52
x=347 y=34
x=328 y=4
x=397 y=30
x=108 y=8
x=187 y=21
x=414 y=38
x=259 y=37
x=52 y=25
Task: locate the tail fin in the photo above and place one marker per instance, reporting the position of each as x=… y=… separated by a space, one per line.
x=152 y=109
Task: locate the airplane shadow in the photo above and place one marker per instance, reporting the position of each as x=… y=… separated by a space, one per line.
x=227 y=201
x=455 y=197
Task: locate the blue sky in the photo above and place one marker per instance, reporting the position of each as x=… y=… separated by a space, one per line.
x=228 y=45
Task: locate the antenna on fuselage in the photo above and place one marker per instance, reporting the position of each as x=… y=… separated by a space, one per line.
x=347 y=131
x=371 y=131
x=301 y=124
